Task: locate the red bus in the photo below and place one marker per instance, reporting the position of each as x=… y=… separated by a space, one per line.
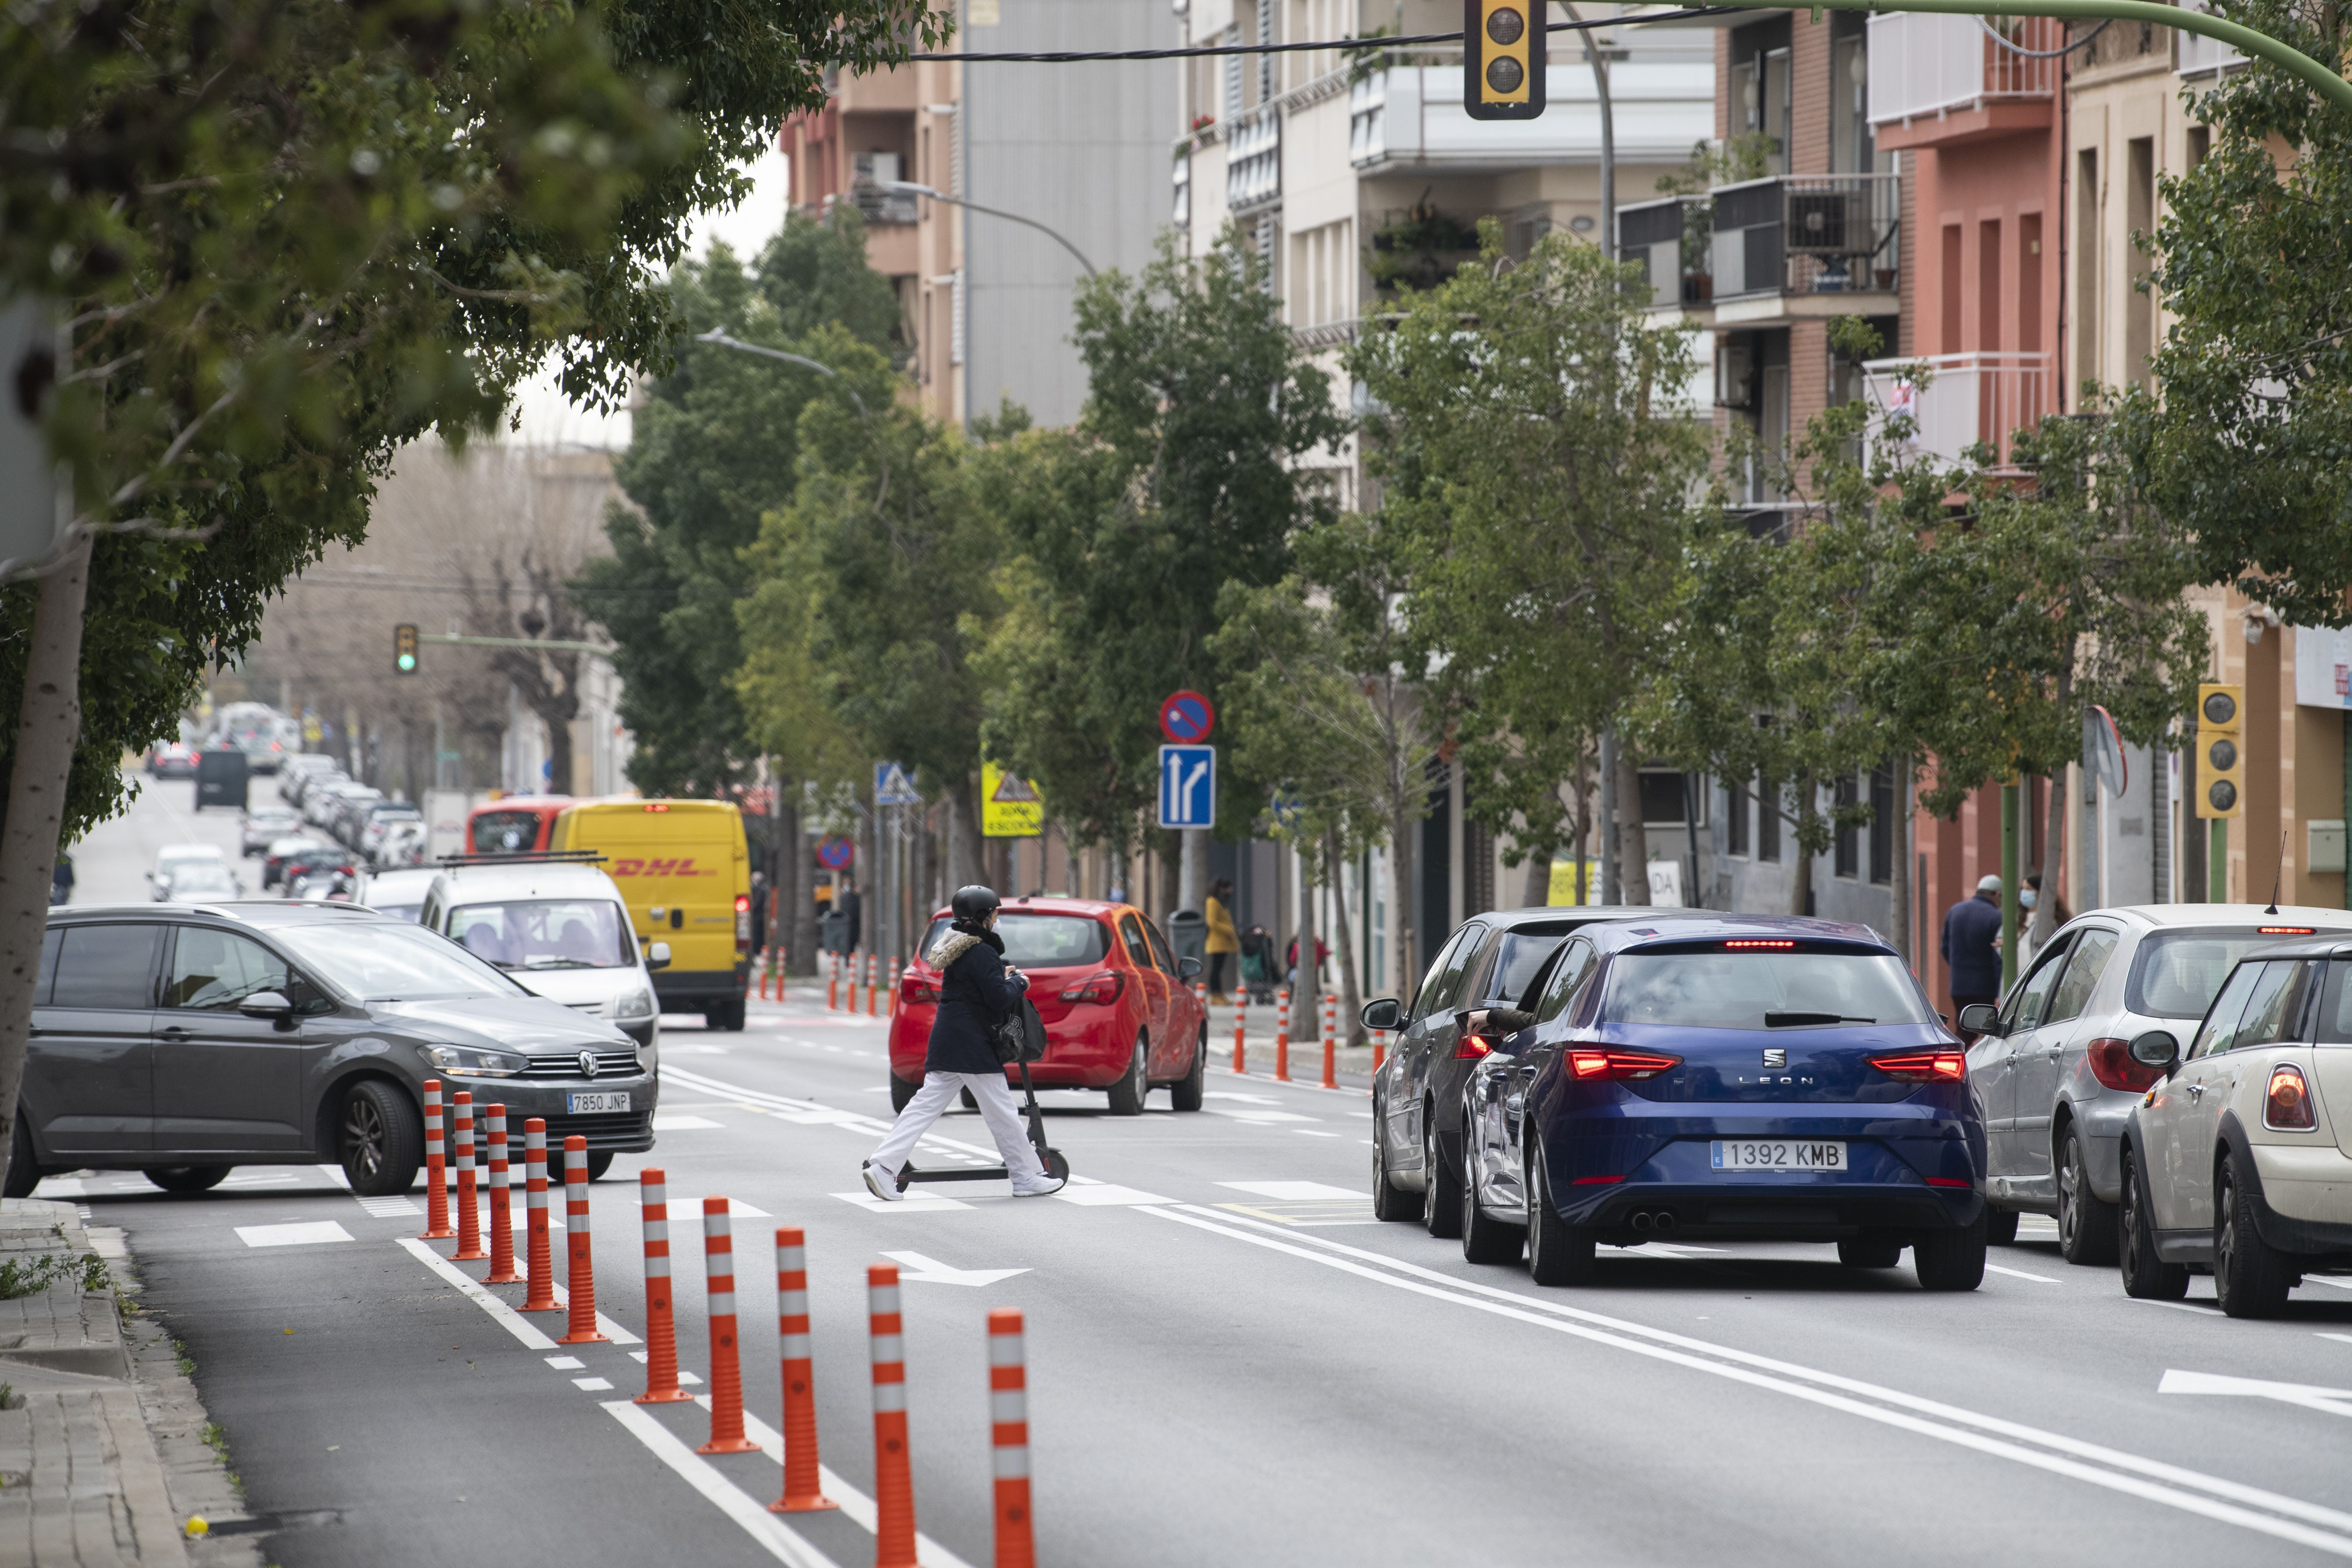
x=517 y=825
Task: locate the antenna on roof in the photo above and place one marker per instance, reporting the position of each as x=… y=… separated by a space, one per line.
x=2278 y=869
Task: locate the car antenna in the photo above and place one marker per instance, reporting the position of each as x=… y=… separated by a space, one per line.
x=2278 y=869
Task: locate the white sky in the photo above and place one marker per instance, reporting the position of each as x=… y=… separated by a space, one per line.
x=548 y=419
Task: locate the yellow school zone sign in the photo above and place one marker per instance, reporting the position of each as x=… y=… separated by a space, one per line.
x=1008 y=804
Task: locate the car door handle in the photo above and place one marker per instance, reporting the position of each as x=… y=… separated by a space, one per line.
x=174 y=1032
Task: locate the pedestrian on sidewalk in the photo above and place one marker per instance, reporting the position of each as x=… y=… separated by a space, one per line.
x=978 y=991
x=1224 y=940
x=1971 y=948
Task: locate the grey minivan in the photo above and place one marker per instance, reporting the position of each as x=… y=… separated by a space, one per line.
x=184 y=1041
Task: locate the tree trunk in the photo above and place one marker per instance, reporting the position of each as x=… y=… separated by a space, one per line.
x=1898 y=870
x=1401 y=973
x=1351 y=995
x=1633 y=840
x=800 y=887
x=1801 y=868
x=2053 y=839
x=1304 y=988
x=963 y=833
x=1536 y=891
x=48 y=727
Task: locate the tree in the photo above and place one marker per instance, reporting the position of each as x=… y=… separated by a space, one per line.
x=1529 y=433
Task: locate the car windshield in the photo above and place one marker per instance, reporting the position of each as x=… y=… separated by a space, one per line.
x=547 y=934
x=1761 y=990
x=202 y=879
x=506 y=832
x=1042 y=942
x=377 y=961
x=2177 y=973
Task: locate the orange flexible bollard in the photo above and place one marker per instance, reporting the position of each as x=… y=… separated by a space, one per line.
x=661 y=1323
x=894 y=988
x=803 y=1492
x=540 y=1296
x=873 y=991
x=436 y=1167
x=1282 y=1038
x=1241 y=1031
x=1008 y=1437
x=469 y=1202
x=832 y=983
x=502 y=1268
x=894 y=1480
x=1380 y=1049
x=726 y=1359
x=582 y=1284
x=1330 y=1041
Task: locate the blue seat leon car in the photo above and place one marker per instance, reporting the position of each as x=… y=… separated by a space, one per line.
x=1724 y=1078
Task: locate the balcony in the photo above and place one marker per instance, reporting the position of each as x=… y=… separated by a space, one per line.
x=1672 y=240
x=1805 y=246
x=1938 y=81
x=869 y=174
x=2199 y=54
x=1254 y=162
x=1411 y=118
x=1967 y=399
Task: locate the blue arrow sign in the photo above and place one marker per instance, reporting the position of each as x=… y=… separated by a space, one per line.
x=1188 y=786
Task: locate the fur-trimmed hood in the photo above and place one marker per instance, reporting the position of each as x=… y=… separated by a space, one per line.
x=956 y=944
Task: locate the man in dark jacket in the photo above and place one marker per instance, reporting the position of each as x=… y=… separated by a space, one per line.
x=1971 y=947
x=978 y=991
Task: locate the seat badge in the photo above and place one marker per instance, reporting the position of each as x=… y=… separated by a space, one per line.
x=587 y=1064
x=1776 y=1056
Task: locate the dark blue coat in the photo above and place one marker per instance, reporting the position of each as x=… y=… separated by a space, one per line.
x=1971 y=946
x=976 y=994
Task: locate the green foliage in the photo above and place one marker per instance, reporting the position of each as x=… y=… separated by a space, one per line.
x=28 y=1275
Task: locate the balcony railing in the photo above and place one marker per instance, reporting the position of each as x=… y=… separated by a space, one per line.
x=2198 y=53
x=1368 y=118
x=1965 y=398
x=1806 y=233
x=1924 y=64
x=1673 y=240
x=1254 y=161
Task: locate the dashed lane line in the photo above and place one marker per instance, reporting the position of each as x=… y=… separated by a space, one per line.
x=2020 y=1274
x=506 y=1317
x=855 y=1506
x=783 y=1542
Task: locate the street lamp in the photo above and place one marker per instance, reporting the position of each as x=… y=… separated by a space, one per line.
x=721 y=340
x=910 y=188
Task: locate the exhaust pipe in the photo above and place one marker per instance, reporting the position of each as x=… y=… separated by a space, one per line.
x=1664 y=1222
x=1641 y=1221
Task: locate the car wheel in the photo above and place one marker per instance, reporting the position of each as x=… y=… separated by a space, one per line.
x=2087 y=1222
x=2251 y=1277
x=2001 y=1226
x=1441 y=1213
x=2145 y=1275
x=1485 y=1238
x=380 y=1138
x=964 y=1098
x=186 y=1178
x=599 y=1162
x=1127 y=1094
x=24 y=1175
x=1557 y=1252
x=1186 y=1092
x=1950 y=1259
x=901 y=1091
x=1870 y=1252
x=1389 y=1201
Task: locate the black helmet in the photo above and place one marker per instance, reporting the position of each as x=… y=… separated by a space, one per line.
x=974 y=903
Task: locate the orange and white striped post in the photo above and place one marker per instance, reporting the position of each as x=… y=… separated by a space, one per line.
x=582 y=1284
x=1380 y=1049
x=436 y=1167
x=804 y=1491
x=726 y=1359
x=762 y=962
x=1331 y=1040
x=469 y=1202
x=1008 y=1435
x=502 y=1268
x=832 y=981
x=873 y=992
x=1241 y=1031
x=1282 y=1037
x=893 y=1479
x=894 y=988
x=661 y=1323
x=540 y=1296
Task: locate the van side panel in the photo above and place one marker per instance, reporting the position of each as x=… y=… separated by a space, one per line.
x=680 y=867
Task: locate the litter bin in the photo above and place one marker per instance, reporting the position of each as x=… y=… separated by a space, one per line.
x=1188 y=934
x=832 y=931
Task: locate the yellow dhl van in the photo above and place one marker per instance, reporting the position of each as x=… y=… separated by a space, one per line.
x=685 y=873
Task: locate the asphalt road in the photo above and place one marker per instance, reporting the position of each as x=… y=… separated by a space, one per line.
x=1230 y=1362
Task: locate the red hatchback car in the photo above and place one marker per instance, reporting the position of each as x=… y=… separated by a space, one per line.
x=1120 y=1011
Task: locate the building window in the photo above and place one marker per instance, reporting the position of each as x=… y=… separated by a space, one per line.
x=1885 y=830
x=1845 y=846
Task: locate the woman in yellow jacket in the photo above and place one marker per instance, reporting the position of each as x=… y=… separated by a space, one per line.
x=1224 y=940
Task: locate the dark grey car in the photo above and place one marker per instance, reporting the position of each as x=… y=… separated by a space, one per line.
x=1491 y=961
x=185 y=1041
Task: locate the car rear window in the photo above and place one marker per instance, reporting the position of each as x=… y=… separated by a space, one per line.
x=1521 y=954
x=506 y=832
x=1761 y=990
x=1041 y=941
x=2177 y=973
x=107 y=966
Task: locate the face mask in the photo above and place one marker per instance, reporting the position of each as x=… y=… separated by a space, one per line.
x=2026 y=899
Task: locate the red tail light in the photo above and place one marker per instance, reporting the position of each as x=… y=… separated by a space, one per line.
x=1107 y=985
x=1754 y=942
x=1950 y=1181
x=1609 y=1062
x=1470 y=1047
x=2284 y=930
x=915 y=988
x=1924 y=1066
x=2111 y=1064
x=2286 y=1107
x=742 y=922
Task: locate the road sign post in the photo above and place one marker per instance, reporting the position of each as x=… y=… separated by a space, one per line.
x=1188 y=786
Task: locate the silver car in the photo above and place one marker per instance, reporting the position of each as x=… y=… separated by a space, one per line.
x=2053 y=1065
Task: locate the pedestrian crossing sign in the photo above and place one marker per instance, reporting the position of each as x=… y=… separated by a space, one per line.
x=1009 y=807
x=893 y=788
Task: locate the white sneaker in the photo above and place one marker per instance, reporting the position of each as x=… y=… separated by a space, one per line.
x=1044 y=1185
x=881 y=1185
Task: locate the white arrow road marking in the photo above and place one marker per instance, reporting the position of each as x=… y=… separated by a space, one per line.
x=2309 y=1396
x=931 y=1272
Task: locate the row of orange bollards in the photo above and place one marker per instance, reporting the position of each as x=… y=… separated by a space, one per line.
x=1282 y=1038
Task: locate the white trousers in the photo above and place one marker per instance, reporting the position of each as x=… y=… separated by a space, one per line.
x=997 y=1107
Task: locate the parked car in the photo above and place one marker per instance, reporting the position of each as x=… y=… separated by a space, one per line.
x=398 y=893
x=560 y=928
x=2053 y=1063
x=185 y=1042
x=222 y=777
x=203 y=882
x=1120 y=1011
x=382 y=816
x=2235 y=1159
x=301 y=772
x=403 y=842
x=1489 y=962
x=171 y=760
x=321 y=799
x=353 y=804
x=1729 y=1077
x=174 y=857
x=265 y=825
x=293 y=845
x=322 y=860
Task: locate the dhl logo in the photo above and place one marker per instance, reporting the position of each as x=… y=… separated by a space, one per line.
x=629 y=867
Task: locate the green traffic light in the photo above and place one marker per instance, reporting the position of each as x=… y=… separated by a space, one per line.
x=407 y=662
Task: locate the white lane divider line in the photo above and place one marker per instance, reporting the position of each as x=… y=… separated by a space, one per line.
x=1296 y=1192
x=685 y=1376
x=335 y=1174
x=604 y=1325
x=916 y=1205
x=566 y=1362
x=1106 y=1194
x=2131 y=1474
x=782 y=1542
x=506 y=1317
x=310 y=1233
x=2019 y=1274
x=855 y=1506
x=592 y=1385
x=393 y=1207
x=2202 y=1309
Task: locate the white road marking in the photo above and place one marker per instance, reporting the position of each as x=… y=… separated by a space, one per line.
x=105 y=1240
x=855 y=1506
x=2326 y=1279
x=506 y=1317
x=2205 y=1310
x=308 y=1234
x=394 y=1207
x=1265 y=1116
x=566 y=1362
x=62 y=1187
x=692 y=1208
x=783 y=1542
x=672 y=1121
x=904 y=1206
x=1293 y=1192
x=1310 y=1132
x=2019 y=1274
x=336 y=1175
x=1245 y=1098
x=604 y=1325
x=260 y=1179
x=640 y=1357
x=931 y=1272
x=1106 y=1194
x=2309 y=1396
x=2228 y=1502
x=593 y=1385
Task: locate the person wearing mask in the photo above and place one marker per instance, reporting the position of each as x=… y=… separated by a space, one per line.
x=1224 y=940
x=2028 y=898
x=759 y=912
x=978 y=991
x=1971 y=947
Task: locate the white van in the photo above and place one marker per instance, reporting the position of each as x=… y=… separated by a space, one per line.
x=560 y=928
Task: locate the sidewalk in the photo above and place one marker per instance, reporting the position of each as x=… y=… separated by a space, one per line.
x=102 y=1452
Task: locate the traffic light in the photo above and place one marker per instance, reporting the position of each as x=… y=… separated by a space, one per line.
x=1503 y=59
x=2221 y=738
x=404 y=650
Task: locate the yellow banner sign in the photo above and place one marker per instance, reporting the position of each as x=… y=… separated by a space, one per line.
x=1009 y=806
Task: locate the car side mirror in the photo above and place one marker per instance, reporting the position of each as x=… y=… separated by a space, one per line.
x=1382 y=1013
x=2156 y=1048
x=1980 y=1018
x=658 y=957
x=1187 y=967
x=271 y=1005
